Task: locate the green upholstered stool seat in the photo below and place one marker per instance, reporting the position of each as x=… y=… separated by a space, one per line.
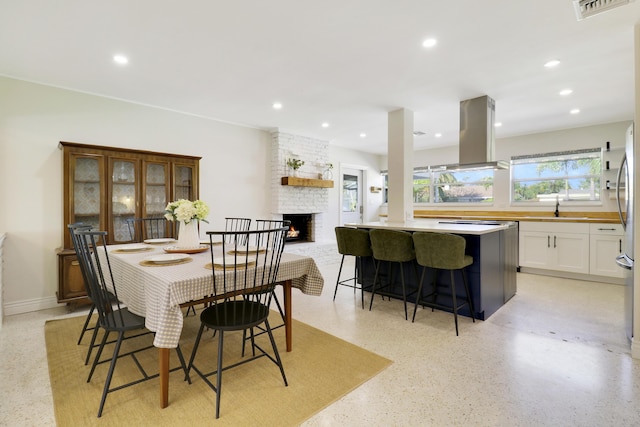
x=392 y=246
x=441 y=251
x=353 y=242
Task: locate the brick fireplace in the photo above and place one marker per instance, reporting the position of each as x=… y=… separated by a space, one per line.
x=310 y=202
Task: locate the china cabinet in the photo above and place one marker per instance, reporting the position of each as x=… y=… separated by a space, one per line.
x=106 y=186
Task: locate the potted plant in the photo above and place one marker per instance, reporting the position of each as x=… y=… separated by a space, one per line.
x=294 y=165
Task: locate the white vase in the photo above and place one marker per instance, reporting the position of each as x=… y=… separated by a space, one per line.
x=188 y=235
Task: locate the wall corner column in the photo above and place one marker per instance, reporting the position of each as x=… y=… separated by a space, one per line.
x=400 y=155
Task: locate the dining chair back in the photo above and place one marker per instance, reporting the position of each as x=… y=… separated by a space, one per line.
x=266 y=224
x=141 y=229
x=244 y=277
x=92 y=308
x=112 y=316
x=357 y=243
x=442 y=251
x=236 y=224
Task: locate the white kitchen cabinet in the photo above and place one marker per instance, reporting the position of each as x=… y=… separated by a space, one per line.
x=555 y=246
x=606 y=242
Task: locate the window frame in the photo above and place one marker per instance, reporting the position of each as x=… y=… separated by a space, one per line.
x=564 y=175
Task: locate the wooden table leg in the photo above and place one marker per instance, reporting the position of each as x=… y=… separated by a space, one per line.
x=286 y=287
x=164 y=377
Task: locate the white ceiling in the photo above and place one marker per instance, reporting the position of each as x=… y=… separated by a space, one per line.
x=345 y=62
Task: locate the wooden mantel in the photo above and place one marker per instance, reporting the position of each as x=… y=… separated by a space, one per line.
x=306 y=182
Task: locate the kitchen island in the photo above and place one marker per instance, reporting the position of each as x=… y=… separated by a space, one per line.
x=493 y=246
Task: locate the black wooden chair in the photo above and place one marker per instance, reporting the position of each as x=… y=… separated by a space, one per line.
x=92 y=308
x=243 y=283
x=141 y=229
x=112 y=317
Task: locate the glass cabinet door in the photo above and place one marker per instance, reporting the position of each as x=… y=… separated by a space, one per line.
x=183 y=182
x=156 y=188
x=87 y=190
x=124 y=197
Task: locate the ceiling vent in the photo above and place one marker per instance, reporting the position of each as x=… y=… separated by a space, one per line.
x=587 y=8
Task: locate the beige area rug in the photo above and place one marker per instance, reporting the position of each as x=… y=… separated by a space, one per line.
x=320 y=369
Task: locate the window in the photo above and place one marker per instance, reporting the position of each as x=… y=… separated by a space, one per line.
x=464 y=186
x=568 y=175
x=436 y=184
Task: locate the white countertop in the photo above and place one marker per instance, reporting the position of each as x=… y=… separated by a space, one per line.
x=436 y=225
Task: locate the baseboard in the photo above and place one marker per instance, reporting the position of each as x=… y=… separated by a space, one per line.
x=576 y=276
x=635 y=349
x=26 y=306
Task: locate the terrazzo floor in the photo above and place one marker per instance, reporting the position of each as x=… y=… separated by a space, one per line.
x=555 y=355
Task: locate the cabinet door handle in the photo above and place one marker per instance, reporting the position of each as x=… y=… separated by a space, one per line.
x=75 y=263
x=620 y=242
x=548 y=241
x=606 y=229
x=554 y=241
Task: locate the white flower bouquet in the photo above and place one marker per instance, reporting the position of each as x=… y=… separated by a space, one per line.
x=186 y=211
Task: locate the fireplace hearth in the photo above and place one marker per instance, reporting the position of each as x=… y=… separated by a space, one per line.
x=301 y=228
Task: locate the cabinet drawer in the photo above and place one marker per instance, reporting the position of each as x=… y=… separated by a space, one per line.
x=555 y=227
x=606 y=229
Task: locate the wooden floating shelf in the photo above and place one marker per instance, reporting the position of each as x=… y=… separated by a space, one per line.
x=306 y=182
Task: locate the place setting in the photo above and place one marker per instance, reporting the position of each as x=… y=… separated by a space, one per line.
x=230 y=263
x=135 y=248
x=165 y=260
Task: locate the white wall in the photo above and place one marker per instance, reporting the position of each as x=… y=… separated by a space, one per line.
x=235 y=171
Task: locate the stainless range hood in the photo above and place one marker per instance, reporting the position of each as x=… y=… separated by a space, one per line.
x=477 y=138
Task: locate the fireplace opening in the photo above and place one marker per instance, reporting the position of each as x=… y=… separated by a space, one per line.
x=300 y=228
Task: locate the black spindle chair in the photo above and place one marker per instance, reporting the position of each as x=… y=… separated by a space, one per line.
x=243 y=283
x=141 y=229
x=112 y=317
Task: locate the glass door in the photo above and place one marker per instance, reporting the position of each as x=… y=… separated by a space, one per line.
x=352 y=209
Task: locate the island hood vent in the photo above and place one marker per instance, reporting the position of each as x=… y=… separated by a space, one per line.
x=477 y=138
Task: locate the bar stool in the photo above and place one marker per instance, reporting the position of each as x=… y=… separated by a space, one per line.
x=392 y=246
x=442 y=251
x=353 y=242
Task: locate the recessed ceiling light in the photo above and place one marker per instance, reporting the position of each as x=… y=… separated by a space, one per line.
x=429 y=43
x=438 y=135
x=363 y=135
x=565 y=92
x=552 y=63
x=497 y=124
x=120 y=59
x=325 y=125
x=575 y=111
x=277 y=105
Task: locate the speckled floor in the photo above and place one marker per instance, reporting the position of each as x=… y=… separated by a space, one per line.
x=555 y=355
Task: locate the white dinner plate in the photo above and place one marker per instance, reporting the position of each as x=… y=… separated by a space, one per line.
x=156 y=241
x=230 y=261
x=163 y=259
x=133 y=248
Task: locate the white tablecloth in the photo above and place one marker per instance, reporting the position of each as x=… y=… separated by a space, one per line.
x=156 y=292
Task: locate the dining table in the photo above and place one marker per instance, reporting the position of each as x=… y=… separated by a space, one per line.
x=157 y=280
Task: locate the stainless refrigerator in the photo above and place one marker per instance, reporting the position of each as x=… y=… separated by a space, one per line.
x=624 y=197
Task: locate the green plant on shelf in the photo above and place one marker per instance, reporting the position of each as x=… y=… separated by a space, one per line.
x=295 y=164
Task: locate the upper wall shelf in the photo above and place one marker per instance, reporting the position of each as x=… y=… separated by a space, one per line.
x=306 y=182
